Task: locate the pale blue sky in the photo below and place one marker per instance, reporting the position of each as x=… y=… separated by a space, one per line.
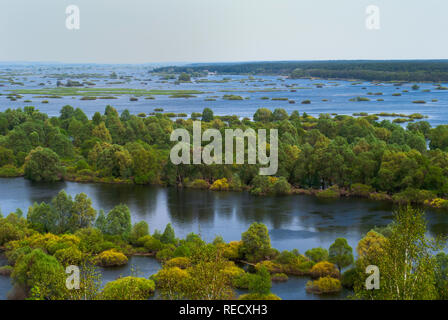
x=139 y=31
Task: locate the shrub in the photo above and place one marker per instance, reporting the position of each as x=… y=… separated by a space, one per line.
x=198 y=184
x=279 y=277
x=324 y=285
x=180 y=262
x=69 y=256
x=220 y=185
x=330 y=193
x=324 y=269
x=349 y=277
x=379 y=196
x=111 y=258
x=9 y=171
x=286 y=257
x=263 y=185
x=165 y=254
x=232 y=250
x=438 y=203
x=152 y=244
x=128 y=288
x=39 y=270
x=411 y=195
x=255 y=296
x=360 y=190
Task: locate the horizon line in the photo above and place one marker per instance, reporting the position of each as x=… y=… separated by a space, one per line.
x=175 y=63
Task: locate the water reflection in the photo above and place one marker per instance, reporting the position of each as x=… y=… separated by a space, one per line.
x=300 y=222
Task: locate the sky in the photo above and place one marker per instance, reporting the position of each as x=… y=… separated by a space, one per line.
x=154 y=31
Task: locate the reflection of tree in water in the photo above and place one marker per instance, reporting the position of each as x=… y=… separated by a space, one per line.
x=187 y=206
x=190 y=206
x=437 y=222
x=40 y=191
x=141 y=200
x=272 y=211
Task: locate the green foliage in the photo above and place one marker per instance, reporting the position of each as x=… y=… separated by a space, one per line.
x=341 y=254
x=128 y=288
x=324 y=285
x=63 y=214
x=408 y=268
x=260 y=283
x=42 y=164
x=362 y=156
x=168 y=236
x=388 y=70
x=317 y=254
x=138 y=231
x=207 y=115
x=118 y=221
x=324 y=269
x=184 y=77
x=263 y=115
x=348 y=278
x=42 y=272
x=256 y=243
x=111 y=258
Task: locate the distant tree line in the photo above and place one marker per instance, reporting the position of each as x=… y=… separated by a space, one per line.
x=385 y=70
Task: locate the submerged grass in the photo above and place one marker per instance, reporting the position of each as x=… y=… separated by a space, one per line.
x=102 y=91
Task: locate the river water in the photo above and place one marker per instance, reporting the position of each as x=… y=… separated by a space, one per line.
x=294 y=222
x=326 y=96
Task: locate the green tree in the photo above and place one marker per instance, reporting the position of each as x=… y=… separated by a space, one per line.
x=341 y=254
x=43 y=218
x=139 y=230
x=207 y=115
x=42 y=164
x=185 y=77
x=118 y=221
x=317 y=254
x=280 y=114
x=406 y=262
x=256 y=242
x=260 y=283
x=101 y=221
x=83 y=214
x=168 y=235
x=62 y=204
x=263 y=115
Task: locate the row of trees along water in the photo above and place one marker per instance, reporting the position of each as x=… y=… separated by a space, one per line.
x=330 y=156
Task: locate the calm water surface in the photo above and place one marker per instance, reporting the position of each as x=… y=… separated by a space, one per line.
x=335 y=93
x=299 y=221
